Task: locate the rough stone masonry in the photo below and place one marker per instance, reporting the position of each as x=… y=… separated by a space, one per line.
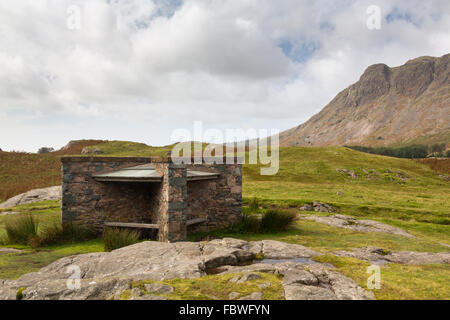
x=182 y=198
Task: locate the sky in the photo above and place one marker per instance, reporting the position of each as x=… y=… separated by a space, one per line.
x=137 y=70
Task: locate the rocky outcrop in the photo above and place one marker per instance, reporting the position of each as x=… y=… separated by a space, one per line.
x=106 y=275
x=88 y=150
x=318 y=207
x=386 y=106
x=308 y=282
x=318 y=282
x=36 y=195
x=403 y=257
x=349 y=173
x=342 y=221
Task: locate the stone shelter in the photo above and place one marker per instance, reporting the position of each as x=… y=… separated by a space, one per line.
x=151 y=193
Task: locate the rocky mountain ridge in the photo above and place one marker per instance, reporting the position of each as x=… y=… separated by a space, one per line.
x=387 y=106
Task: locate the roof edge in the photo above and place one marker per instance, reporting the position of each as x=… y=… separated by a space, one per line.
x=66 y=159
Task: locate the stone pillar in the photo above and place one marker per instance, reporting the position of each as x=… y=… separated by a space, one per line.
x=172 y=219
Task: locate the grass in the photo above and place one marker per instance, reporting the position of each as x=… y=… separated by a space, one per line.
x=419 y=205
x=21 y=172
x=115 y=238
x=437 y=165
x=263 y=221
x=216 y=287
x=277 y=220
x=12 y=266
x=21 y=228
x=325 y=238
x=45 y=212
x=398 y=282
x=309 y=174
x=128 y=148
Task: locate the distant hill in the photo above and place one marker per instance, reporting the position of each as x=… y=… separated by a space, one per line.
x=76 y=146
x=21 y=172
x=387 y=106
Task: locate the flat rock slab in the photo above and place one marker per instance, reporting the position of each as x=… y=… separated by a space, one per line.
x=146 y=260
x=319 y=282
x=270 y=249
x=36 y=195
x=342 y=221
x=374 y=254
x=105 y=275
x=308 y=282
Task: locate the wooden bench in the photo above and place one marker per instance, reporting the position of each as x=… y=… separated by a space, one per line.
x=195 y=221
x=132 y=225
x=149 y=225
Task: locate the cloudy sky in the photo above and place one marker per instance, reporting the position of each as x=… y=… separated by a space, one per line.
x=138 y=69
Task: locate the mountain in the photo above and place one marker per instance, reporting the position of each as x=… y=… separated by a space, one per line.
x=387 y=106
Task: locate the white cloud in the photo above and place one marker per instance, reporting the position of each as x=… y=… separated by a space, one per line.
x=137 y=69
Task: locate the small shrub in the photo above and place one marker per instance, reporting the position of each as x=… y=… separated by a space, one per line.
x=259 y=256
x=19 y=294
x=21 y=228
x=49 y=235
x=115 y=238
x=3 y=240
x=44 y=150
x=56 y=233
x=249 y=223
x=277 y=220
x=75 y=232
x=253 y=205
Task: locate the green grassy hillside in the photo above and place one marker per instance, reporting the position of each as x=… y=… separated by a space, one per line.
x=399 y=192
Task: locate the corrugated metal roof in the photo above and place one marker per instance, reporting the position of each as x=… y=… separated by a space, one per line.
x=147 y=173
x=130 y=175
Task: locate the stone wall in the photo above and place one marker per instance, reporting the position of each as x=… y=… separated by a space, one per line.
x=169 y=203
x=91 y=203
x=219 y=200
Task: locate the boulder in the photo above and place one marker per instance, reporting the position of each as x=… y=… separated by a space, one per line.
x=322 y=207
x=36 y=195
x=244 y=278
x=319 y=282
x=349 y=173
x=87 y=150
x=307 y=207
x=318 y=207
x=252 y=296
x=158 y=288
